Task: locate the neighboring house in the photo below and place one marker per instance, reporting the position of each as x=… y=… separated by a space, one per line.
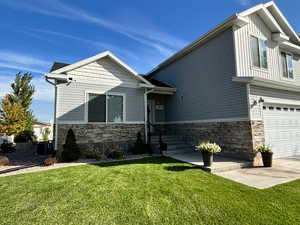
x=39 y=129
x=238 y=85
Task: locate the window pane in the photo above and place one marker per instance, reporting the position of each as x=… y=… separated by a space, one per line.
x=284 y=65
x=255 y=51
x=263 y=54
x=290 y=66
x=115 y=108
x=97 y=108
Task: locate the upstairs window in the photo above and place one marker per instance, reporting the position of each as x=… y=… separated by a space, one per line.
x=259 y=53
x=287 y=65
x=104 y=108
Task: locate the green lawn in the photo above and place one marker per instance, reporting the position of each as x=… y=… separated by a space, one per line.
x=148 y=191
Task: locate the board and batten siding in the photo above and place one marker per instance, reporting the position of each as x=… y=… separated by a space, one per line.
x=103 y=76
x=270 y=96
x=259 y=29
x=203 y=79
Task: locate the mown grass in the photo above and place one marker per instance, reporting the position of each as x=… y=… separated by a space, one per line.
x=148 y=191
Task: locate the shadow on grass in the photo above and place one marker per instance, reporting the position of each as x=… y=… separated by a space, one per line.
x=148 y=160
x=180 y=168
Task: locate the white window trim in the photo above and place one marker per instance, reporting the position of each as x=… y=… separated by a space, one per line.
x=281 y=66
x=86 y=109
x=261 y=69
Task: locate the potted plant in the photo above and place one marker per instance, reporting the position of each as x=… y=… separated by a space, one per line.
x=208 y=149
x=266 y=153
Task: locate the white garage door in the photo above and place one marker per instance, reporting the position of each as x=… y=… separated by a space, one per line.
x=282 y=129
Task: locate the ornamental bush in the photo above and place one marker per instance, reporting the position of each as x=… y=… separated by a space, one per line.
x=264 y=148
x=71 y=150
x=208 y=147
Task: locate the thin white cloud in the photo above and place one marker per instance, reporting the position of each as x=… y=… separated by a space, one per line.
x=9 y=56
x=20 y=67
x=23 y=62
x=94 y=44
x=44 y=91
x=148 y=35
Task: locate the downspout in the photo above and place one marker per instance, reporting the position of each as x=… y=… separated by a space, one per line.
x=146 y=112
x=54 y=119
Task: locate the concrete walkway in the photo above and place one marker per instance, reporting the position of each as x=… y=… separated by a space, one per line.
x=283 y=171
x=220 y=163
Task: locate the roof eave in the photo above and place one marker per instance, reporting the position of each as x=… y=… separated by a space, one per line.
x=55 y=76
x=266 y=83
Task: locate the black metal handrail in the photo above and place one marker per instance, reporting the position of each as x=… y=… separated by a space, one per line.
x=161 y=143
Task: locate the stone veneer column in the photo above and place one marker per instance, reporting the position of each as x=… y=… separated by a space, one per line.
x=258 y=137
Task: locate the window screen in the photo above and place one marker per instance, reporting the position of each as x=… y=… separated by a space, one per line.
x=115 y=108
x=255 y=51
x=97 y=108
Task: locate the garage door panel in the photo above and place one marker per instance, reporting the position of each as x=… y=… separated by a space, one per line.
x=282 y=129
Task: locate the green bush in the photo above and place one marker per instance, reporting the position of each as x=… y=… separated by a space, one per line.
x=140 y=147
x=24 y=136
x=71 y=150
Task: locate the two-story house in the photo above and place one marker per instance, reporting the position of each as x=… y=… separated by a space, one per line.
x=237 y=85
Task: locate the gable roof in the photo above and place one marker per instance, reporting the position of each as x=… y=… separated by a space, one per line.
x=274 y=14
x=57 y=65
x=67 y=68
x=273 y=18
x=157 y=82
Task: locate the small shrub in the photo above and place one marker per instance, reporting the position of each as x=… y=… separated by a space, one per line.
x=71 y=150
x=140 y=146
x=208 y=147
x=116 y=155
x=24 y=137
x=50 y=161
x=7 y=147
x=264 y=148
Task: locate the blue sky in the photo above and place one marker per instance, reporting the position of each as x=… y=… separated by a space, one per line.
x=34 y=33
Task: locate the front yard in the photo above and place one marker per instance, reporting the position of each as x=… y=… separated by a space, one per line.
x=148 y=191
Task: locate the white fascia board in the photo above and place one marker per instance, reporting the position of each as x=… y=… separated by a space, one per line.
x=282 y=17
x=290 y=47
x=56 y=76
x=251 y=10
x=81 y=63
x=96 y=58
x=270 y=20
x=267 y=83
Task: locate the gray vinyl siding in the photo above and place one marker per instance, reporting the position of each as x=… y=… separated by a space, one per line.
x=71 y=101
x=259 y=29
x=203 y=80
x=271 y=95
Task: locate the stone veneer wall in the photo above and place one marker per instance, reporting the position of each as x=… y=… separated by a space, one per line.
x=98 y=140
x=237 y=139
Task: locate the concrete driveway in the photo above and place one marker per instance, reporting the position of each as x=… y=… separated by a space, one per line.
x=283 y=170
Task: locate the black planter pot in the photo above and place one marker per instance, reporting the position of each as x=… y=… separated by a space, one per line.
x=267 y=158
x=207 y=158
